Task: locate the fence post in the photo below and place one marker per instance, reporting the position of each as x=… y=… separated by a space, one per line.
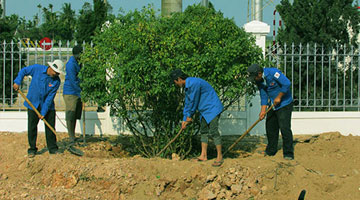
x=259 y=30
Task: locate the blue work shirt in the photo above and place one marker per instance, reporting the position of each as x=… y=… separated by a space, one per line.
x=42 y=88
x=200 y=95
x=72 y=82
x=274 y=83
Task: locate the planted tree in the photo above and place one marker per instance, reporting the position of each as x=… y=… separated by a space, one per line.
x=327 y=22
x=128 y=69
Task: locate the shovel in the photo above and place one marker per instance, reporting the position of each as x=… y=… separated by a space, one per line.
x=83 y=113
x=247 y=131
x=170 y=142
x=71 y=149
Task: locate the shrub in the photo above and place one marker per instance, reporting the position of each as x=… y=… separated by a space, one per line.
x=128 y=69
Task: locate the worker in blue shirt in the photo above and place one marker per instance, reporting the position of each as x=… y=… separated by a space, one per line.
x=200 y=95
x=274 y=88
x=43 y=87
x=71 y=92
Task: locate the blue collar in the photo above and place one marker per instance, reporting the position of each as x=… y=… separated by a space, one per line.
x=45 y=70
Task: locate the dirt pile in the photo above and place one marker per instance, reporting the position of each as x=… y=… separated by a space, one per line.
x=327 y=166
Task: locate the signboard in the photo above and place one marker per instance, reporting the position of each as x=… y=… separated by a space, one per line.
x=45 y=43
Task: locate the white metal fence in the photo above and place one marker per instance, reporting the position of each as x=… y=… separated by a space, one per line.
x=322 y=79
x=16 y=55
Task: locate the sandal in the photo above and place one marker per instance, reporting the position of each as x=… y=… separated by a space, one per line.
x=199 y=160
x=218 y=163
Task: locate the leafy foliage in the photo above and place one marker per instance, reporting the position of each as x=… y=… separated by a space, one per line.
x=67 y=22
x=8 y=27
x=318 y=21
x=128 y=68
x=91 y=19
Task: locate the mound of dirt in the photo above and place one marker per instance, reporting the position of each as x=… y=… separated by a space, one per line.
x=327 y=166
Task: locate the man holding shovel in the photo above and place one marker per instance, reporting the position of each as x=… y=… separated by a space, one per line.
x=200 y=95
x=275 y=86
x=72 y=91
x=43 y=87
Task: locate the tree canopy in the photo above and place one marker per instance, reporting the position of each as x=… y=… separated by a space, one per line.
x=324 y=22
x=62 y=25
x=91 y=19
x=128 y=68
x=8 y=27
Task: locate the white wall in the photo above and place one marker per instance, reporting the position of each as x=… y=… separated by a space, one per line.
x=318 y=122
x=96 y=123
x=101 y=123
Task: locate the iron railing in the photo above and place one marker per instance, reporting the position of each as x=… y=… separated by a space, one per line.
x=322 y=79
x=16 y=55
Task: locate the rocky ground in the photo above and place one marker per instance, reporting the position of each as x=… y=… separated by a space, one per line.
x=327 y=166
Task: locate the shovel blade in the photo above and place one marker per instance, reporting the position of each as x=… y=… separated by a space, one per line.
x=75 y=151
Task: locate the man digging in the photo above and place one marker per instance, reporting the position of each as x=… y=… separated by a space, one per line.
x=200 y=95
x=274 y=88
x=42 y=91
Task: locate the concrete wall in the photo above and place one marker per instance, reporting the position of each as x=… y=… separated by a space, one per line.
x=318 y=122
x=101 y=123
x=170 y=6
x=96 y=123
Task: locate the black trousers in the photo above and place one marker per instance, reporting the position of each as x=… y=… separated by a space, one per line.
x=33 y=121
x=275 y=121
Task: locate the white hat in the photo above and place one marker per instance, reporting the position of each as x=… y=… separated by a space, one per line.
x=57 y=66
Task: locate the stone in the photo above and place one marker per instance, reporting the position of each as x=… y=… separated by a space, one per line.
x=264 y=188
x=3 y=177
x=236 y=189
x=232 y=170
x=175 y=157
x=210 y=178
x=254 y=191
x=24 y=195
x=227 y=182
x=206 y=194
x=215 y=186
x=228 y=194
x=2 y=192
x=187 y=180
x=189 y=192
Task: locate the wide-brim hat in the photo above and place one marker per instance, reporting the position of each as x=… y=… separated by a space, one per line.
x=57 y=66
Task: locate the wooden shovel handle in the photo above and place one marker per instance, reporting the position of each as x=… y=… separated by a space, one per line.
x=36 y=111
x=247 y=131
x=83 y=120
x=170 y=142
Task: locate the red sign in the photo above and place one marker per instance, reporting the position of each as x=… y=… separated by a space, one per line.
x=45 y=43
